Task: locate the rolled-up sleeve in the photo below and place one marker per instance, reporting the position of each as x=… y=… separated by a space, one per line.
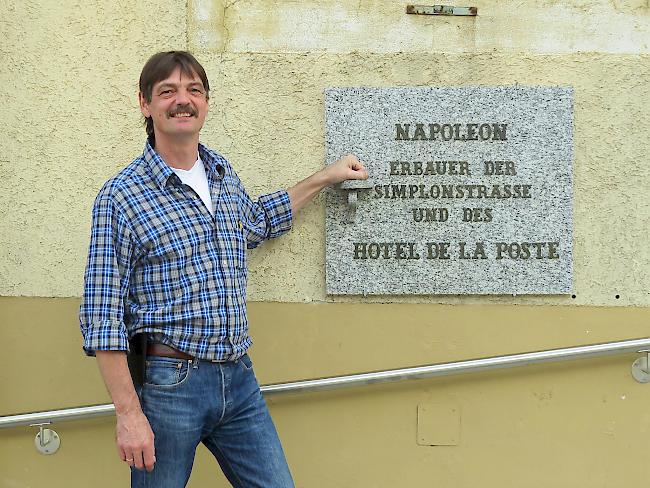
x=267 y=218
x=106 y=280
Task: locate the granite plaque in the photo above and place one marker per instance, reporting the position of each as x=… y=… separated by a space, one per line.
x=470 y=190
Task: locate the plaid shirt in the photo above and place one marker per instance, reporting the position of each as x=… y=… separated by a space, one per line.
x=160 y=263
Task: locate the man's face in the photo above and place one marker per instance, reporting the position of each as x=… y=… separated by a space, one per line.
x=178 y=106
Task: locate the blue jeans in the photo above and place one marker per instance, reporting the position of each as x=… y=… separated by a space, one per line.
x=219 y=404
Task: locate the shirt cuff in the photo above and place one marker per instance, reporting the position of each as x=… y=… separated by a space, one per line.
x=105 y=336
x=277 y=208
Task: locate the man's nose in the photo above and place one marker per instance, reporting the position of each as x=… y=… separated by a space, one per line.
x=182 y=97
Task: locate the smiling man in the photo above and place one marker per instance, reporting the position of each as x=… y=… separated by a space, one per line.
x=167 y=272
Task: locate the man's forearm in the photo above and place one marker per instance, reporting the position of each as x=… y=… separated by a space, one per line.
x=115 y=372
x=346 y=168
x=304 y=191
x=134 y=437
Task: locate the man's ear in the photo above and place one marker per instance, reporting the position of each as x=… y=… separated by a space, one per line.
x=144 y=106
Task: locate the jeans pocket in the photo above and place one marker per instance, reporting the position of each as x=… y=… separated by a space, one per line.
x=165 y=372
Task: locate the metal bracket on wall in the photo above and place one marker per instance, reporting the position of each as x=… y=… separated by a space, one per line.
x=352 y=188
x=641 y=367
x=441 y=10
x=47 y=441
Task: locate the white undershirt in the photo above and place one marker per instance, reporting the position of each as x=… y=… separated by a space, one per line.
x=196 y=178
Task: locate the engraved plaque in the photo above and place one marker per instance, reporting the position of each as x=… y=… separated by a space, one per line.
x=470 y=190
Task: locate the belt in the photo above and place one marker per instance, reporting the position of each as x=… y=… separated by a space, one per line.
x=157 y=349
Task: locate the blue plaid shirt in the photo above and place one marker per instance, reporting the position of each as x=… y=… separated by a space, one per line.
x=160 y=263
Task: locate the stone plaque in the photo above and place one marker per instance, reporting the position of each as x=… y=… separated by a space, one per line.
x=470 y=190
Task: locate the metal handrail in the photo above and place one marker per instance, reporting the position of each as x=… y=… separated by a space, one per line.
x=442 y=369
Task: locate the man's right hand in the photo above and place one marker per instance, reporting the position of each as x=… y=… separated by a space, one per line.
x=134 y=437
x=135 y=440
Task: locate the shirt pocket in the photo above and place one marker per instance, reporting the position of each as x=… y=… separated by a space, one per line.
x=232 y=228
x=240 y=246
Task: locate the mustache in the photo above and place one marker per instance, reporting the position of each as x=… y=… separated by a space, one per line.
x=180 y=109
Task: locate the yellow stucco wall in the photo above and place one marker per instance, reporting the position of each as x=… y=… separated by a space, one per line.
x=69 y=82
x=269 y=62
x=69 y=85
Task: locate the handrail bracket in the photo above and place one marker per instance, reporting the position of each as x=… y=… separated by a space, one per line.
x=47 y=441
x=641 y=367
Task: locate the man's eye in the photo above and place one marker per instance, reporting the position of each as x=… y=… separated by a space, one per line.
x=165 y=92
x=196 y=90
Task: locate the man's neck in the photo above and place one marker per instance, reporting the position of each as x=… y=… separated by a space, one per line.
x=180 y=154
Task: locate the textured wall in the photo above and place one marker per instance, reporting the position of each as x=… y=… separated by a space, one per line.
x=284 y=142
x=274 y=60
x=69 y=83
x=269 y=63
x=340 y=26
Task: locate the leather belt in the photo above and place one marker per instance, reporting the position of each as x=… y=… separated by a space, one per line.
x=157 y=349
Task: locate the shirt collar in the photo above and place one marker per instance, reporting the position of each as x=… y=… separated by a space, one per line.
x=162 y=172
x=212 y=163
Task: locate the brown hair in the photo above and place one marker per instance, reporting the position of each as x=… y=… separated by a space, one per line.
x=160 y=66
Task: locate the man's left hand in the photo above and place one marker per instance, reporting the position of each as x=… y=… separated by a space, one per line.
x=347 y=168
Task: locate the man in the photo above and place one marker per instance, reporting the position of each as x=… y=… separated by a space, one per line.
x=167 y=263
